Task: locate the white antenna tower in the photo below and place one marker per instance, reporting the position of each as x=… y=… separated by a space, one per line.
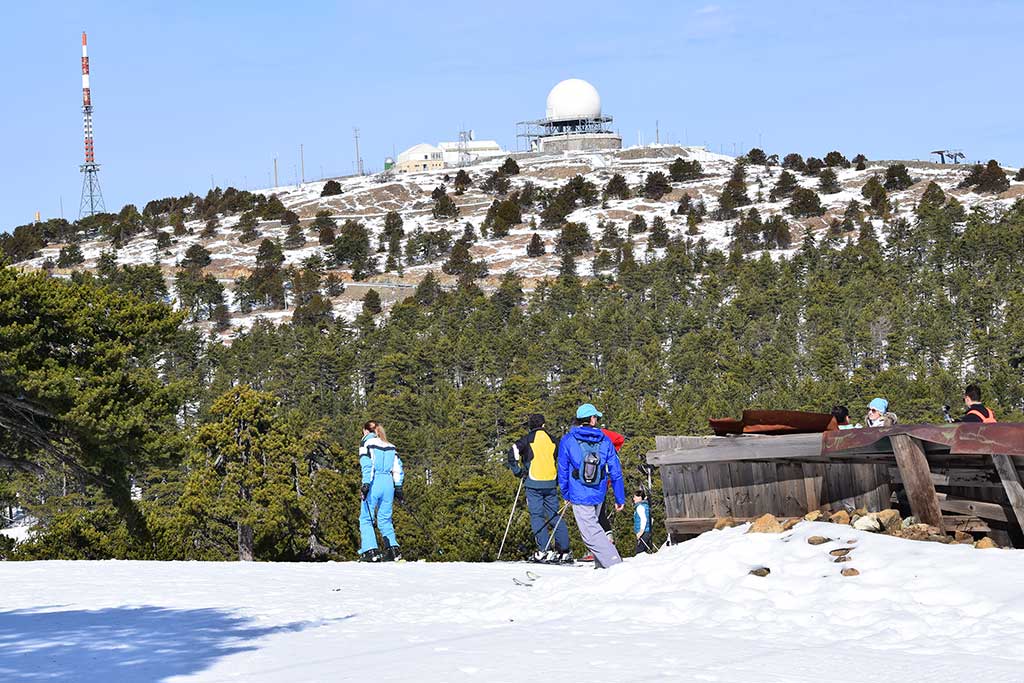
x=359 y=159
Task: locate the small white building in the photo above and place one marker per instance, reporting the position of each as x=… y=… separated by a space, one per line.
x=474 y=150
x=421 y=157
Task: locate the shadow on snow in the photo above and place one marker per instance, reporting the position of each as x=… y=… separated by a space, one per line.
x=124 y=643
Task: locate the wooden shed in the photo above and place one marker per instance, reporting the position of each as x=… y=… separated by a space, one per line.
x=956 y=476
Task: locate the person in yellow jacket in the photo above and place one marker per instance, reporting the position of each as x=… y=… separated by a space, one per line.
x=533 y=457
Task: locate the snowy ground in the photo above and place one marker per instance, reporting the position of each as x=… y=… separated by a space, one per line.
x=918 y=611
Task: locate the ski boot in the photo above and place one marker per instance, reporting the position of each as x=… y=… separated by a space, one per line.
x=539 y=557
x=372 y=555
x=392 y=553
x=566 y=558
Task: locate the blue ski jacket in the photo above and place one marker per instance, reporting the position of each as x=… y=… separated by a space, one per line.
x=379 y=457
x=642 y=518
x=570 y=458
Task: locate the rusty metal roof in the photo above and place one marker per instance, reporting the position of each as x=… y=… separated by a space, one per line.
x=969 y=438
x=773 y=422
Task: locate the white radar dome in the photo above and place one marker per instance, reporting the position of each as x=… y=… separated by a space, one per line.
x=573 y=99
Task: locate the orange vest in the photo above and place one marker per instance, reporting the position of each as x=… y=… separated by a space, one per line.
x=988 y=420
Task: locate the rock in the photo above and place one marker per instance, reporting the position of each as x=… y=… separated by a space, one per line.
x=790 y=523
x=890 y=519
x=818 y=540
x=986 y=543
x=850 y=571
x=860 y=512
x=725 y=522
x=868 y=523
x=910 y=521
x=922 y=532
x=962 y=537
x=765 y=524
x=844 y=558
x=840 y=552
x=814 y=515
x=841 y=517
x=761 y=571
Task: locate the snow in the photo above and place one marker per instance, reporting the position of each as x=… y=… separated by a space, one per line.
x=918 y=611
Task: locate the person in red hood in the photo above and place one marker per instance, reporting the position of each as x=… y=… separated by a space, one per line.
x=602 y=515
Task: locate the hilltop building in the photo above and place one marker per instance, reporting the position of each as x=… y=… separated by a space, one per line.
x=421 y=157
x=425 y=157
x=573 y=121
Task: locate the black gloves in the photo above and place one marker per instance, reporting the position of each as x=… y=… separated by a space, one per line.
x=399 y=494
x=363 y=490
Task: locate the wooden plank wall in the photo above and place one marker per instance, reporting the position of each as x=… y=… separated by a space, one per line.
x=750 y=489
x=785 y=489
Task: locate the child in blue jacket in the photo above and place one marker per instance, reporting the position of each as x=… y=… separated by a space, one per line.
x=642 y=522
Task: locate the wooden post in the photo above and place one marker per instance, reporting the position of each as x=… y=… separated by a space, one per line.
x=1007 y=470
x=917 y=478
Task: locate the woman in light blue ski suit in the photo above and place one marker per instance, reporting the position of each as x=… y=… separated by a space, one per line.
x=382 y=484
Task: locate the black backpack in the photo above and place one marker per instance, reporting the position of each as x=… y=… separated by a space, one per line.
x=591 y=472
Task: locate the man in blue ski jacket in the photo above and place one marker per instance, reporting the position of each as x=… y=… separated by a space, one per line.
x=382 y=483
x=586 y=460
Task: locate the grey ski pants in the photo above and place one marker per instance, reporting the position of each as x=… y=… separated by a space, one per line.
x=605 y=554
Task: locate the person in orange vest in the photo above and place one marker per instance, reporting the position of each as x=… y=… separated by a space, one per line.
x=976 y=410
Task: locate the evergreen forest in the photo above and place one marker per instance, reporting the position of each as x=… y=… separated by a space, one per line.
x=127 y=433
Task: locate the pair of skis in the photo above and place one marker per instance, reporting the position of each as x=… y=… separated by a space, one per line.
x=527 y=581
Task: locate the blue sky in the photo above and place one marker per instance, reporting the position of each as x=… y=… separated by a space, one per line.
x=184 y=90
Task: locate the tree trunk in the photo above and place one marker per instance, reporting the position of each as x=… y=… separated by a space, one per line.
x=245 y=542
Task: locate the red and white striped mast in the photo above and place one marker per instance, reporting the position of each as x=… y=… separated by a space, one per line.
x=92 y=196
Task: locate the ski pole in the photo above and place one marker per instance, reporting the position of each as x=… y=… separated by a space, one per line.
x=510 y=515
x=552 y=536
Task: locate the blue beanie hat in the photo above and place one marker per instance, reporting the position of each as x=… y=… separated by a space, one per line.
x=879 y=404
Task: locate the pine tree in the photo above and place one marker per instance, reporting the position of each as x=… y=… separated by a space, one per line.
x=352 y=247
x=757 y=157
x=878 y=198
x=659 y=233
x=462 y=181
x=70 y=256
x=814 y=166
x=681 y=171
x=496 y=183
x=331 y=188
x=656 y=185
x=509 y=167
x=295 y=238
x=897 y=178
x=804 y=203
x=325 y=226
x=371 y=302
x=196 y=257
x=536 y=246
x=794 y=162
x=784 y=186
x=836 y=160
x=637 y=224
x=993 y=179
x=828 y=183
x=1020 y=175
x=776 y=234
x=210 y=229
x=574 y=239
x=734 y=194
x=610 y=237
x=860 y=162
x=616 y=187
x=247 y=222
x=444 y=207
